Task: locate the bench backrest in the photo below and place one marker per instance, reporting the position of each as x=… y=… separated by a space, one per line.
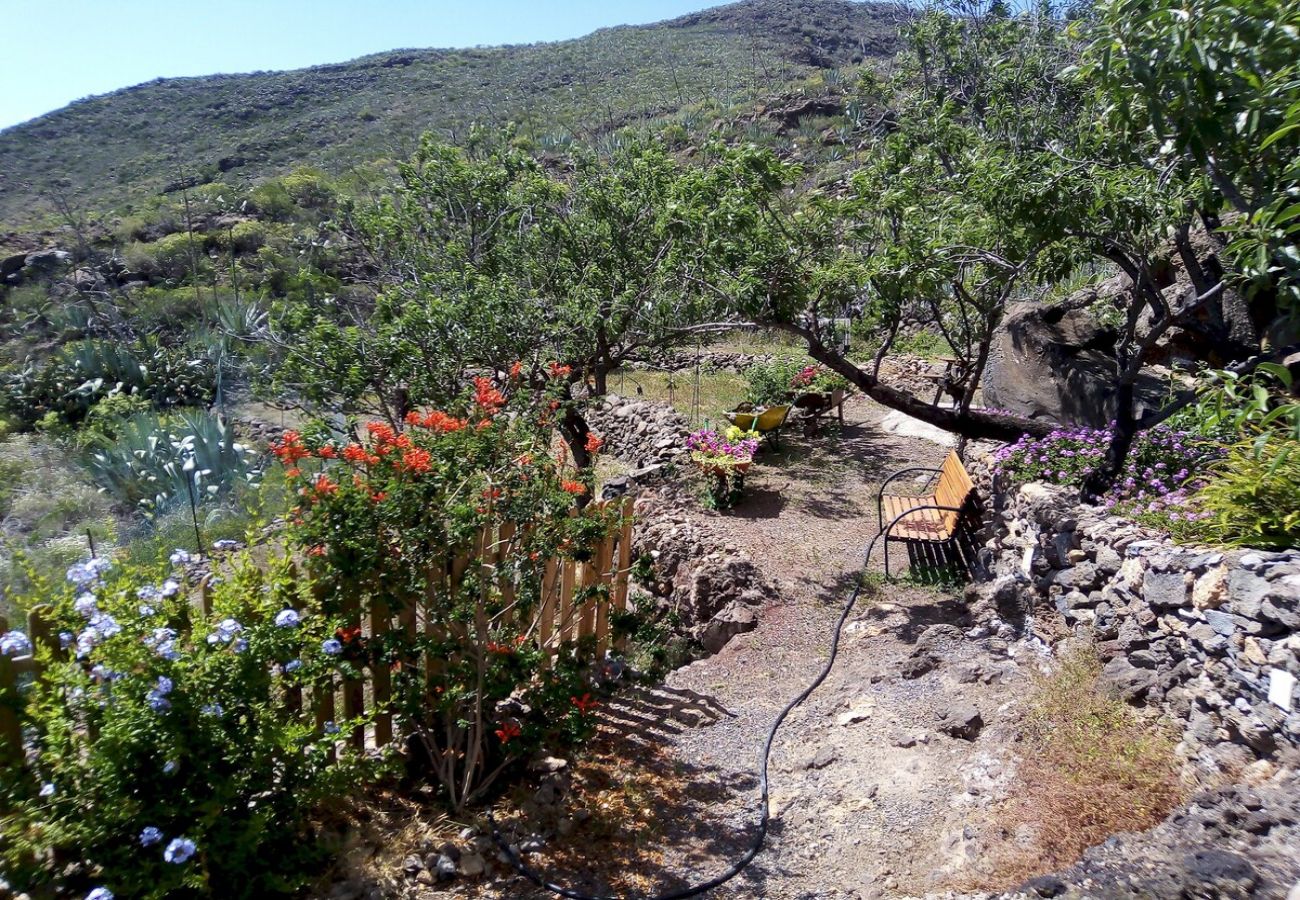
x=954 y=489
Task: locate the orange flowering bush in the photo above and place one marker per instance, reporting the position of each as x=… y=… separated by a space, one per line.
x=456 y=513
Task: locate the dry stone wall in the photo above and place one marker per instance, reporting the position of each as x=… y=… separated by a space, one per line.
x=1211 y=638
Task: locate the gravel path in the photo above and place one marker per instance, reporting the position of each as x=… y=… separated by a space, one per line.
x=870 y=798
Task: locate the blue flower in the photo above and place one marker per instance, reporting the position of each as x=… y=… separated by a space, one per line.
x=293 y=665
x=65 y=639
x=150 y=836
x=84 y=573
x=225 y=544
x=100 y=893
x=169 y=767
x=169 y=588
x=331 y=728
x=288 y=618
x=148 y=592
x=331 y=647
x=241 y=645
x=227 y=630
x=180 y=557
x=164 y=685
x=15 y=643
x=158 y=702
x=47 y=790
x=86 y=604
x=213 y=709
x=179 y=850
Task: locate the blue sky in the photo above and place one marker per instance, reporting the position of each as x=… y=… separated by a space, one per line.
x=57 y=51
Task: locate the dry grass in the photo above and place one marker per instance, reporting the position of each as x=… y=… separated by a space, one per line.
x=1091 y=767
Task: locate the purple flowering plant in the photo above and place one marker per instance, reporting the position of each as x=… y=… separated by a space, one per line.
x=725 y=449
x=1163 y=472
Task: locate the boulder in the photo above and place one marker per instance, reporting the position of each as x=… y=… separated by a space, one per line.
x=1057 y=362
x=735 y=619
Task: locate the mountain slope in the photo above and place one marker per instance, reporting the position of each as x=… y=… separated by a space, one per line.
x=119 y=147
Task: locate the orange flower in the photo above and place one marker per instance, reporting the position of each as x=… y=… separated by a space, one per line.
x=292 y=473
x=378 y=497
x=417 y=461
x=515 y=368
x=413 y=418
x=355 y=453
x=290 y=449
x=382 y=432
x=585 y=704
x=327 y=452
x=487 y=396
x=573 y=487
x=507 y=731
x=559 y=371
x=325 y=486
x=524 y=459
x=440 y=421
x=318 y=550
x=594 y=442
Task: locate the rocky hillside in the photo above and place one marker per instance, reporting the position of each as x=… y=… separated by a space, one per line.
x=121 y=146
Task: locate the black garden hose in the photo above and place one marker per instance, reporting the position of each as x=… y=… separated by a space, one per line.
x=764 y=805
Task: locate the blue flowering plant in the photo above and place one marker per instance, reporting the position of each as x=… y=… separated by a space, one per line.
x=165 y=751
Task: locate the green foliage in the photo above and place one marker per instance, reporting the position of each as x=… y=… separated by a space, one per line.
x=83 y=373
x=1217 y=82
x=770 y=383
x=156 y=718
x=1252 y=498
x=174 y=257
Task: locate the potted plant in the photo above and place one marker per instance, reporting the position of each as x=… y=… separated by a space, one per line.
x=815 y=387
x=725 y=457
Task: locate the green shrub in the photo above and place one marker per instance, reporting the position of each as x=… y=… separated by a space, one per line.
x=82 y=374
x=1252 y=498
x=161 y=758
x=769 y=383
x=364 y=522
x=168 y=257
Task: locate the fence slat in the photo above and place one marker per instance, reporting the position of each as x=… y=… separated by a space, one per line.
x=604 y=578
x=546 y=621
x=322 y=701
x=354 y=702
x=565 y=627
x=624 y=571
x=381 y=676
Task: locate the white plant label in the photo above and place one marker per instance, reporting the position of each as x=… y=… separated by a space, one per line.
x=1281 y=684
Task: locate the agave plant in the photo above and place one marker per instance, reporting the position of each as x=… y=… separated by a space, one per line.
x=158 y=461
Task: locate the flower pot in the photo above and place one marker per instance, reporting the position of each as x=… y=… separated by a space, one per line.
x=722 y=470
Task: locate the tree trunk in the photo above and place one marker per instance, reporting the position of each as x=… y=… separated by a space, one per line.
x=969 y=424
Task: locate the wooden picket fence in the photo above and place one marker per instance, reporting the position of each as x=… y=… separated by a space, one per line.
x=563 y=615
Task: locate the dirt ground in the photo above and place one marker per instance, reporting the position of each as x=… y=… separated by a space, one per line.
x=870 y=799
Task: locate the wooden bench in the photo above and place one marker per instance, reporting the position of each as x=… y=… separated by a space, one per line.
x=933 y=518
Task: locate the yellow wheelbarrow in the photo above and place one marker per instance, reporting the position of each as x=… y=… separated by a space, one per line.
x=767 y=422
